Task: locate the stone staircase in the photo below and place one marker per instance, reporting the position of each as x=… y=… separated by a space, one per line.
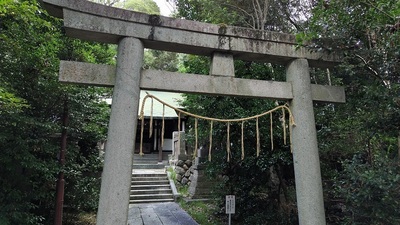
x=150 y=182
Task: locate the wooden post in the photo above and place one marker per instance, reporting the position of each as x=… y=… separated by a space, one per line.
x=61 y=159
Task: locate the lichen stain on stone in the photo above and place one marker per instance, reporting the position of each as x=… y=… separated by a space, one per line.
x=222 y=29
x=245 y=32
x=222 y=40
x=155 y=20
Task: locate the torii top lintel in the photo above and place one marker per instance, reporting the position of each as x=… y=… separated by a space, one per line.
x=95 y=22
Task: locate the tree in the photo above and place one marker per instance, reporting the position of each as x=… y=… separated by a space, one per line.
x=264 y=182
x=358 y=140
x=153 y=59
x=31 y=44
x=285 y=16
x=259 y=183
x=146 y=6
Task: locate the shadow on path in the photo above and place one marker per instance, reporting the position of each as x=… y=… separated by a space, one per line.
x=168 y=213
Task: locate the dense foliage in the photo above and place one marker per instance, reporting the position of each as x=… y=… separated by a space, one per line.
x=259 y=183
x=31 y=108
x=358 y=140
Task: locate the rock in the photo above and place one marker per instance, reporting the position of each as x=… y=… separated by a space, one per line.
x=187 y=174
x=188 y=163
x=185 y=167
x=180 y=163
x=179 y=170
x=178 y=177
x=184 y=181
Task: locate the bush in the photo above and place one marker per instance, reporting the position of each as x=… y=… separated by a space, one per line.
x=370 y=191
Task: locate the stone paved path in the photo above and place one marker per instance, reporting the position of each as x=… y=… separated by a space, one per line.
x=168 y=213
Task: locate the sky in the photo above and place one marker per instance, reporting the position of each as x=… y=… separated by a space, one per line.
x=165 y=7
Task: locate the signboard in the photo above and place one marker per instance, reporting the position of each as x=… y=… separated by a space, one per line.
x=230 y=204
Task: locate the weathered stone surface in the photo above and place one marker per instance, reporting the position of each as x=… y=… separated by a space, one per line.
x=179 y=177
x=200 y=185
x=104 y=75
x=117 y=172
x=187 y=173
x=184 y=180
x=82 y=19
x=151 y=217
x=180 y=163
x=324 y=93
x=188 y=163
x=151 y=214
x=185 y=167
x=306 y=163
x=87 y=73
x=180 y=170
x=222 y=65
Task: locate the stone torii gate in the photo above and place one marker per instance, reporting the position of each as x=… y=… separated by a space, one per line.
x=134 y=31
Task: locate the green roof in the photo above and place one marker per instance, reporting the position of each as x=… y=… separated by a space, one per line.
x=170 y=98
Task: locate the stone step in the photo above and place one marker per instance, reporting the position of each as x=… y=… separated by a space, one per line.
x=153 y=157
x=151 y=191
x=145 y=161
x=142 y=187
x=149 y=185
x=143 y=178
x=140 y=201
x=155 y=174
x=148 y=166
x=149 y=182
x=151 y=196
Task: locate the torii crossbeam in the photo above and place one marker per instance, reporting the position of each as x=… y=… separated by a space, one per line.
x=134 y=31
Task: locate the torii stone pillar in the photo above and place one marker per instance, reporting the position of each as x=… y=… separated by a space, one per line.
x=310 y=202
x=117 y=172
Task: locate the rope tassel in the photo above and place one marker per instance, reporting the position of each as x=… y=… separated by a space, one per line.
x=258 y=138
x=179 y=129
x=141 y=136
x=284 y=125
x=196 y=137
x=210 y=147
x=151 y=119
x=242 y=141
x=228 y=142
x=271 y=131
x=163 y=127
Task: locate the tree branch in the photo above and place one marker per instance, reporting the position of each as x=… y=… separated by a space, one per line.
x=380 y=10
x=243 y=11
x=256 y=13
x=376 y=74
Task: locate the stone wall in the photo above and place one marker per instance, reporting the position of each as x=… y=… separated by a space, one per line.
x=184 y=172
x=192 y=174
